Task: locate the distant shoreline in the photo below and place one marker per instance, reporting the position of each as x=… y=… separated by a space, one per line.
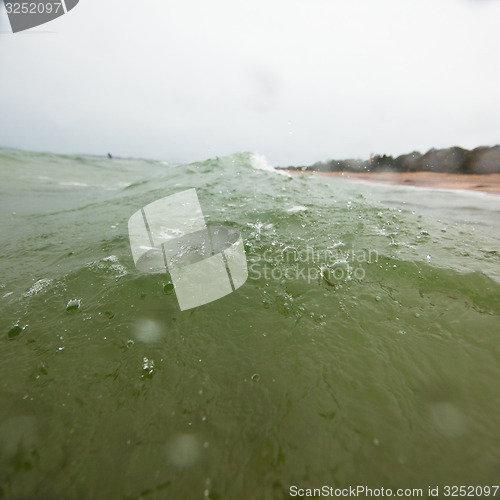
x=486 y=183
x=479 y=161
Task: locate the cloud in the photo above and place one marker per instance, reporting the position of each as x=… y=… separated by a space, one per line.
x=295 y=81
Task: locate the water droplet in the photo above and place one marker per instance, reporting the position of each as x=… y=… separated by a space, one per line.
x=18 y=437
x=255 y=377
x=448 y=419
x=148 y=366
x=148 y=331
x=183 y=450
x=168 y=288
x=378 y=298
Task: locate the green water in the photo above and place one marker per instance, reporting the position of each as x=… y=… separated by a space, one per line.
x=364 y=348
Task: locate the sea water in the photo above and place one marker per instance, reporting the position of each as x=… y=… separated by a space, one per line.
x=363 y=349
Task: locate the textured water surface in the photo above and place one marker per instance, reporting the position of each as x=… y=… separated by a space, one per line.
x=363 y=349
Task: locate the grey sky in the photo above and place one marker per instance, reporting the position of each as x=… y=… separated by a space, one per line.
x=297 y=81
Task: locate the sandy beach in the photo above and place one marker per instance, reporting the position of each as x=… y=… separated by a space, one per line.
x=484 y=183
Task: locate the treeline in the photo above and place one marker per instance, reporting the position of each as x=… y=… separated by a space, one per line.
x=481 y=160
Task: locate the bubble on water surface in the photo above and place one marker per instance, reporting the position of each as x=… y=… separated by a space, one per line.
x=73 y=305
x=15 y=331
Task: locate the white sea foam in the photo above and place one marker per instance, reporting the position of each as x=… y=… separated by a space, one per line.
x=74 y=184
x=39 y=286
x=296 y=209
x=259 y=162
x=110 y=263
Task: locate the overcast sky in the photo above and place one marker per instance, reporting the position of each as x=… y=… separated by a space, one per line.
x=295 y=80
